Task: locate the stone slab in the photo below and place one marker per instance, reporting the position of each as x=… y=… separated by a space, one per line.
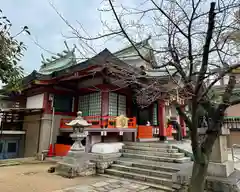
x=184 y=147
x=108 y=156
x=219 y=150
x=112 y=185
x=156 y=158
x=175 y=166
x=213 y=183
x=220 y=169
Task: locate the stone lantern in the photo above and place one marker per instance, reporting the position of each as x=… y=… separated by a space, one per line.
x=77 y=163
x=78 y=125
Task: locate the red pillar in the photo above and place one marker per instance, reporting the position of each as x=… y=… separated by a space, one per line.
x=161 y=119
x=45 y=100
x=104 y=107
x=183 y=125
x=47 y=103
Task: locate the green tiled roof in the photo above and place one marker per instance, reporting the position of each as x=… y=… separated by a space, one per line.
x=63 y=61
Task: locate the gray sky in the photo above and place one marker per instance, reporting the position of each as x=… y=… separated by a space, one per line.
x=46 y=26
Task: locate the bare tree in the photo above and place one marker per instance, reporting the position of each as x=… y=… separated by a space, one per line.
x=193 y=40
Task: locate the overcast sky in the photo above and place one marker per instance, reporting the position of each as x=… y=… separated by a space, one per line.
x=46 y=26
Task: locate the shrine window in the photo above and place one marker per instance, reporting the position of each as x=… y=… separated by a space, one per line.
x=63 y=103
x=90 y=104
x=155 y=114
x=117 y=104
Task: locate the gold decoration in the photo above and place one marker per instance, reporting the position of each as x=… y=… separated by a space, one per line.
x=122 y=121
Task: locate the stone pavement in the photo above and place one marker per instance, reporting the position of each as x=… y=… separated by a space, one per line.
x=111 y=185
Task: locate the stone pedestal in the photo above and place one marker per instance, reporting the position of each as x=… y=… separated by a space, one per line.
x=221 y=174
x=104 y=161
x=77 y=162
x=219 y=164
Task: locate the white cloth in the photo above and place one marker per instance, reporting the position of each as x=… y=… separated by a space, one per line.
x=105 y=148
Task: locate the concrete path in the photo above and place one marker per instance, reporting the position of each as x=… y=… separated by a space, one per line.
x=111 y=185
x=35 y=178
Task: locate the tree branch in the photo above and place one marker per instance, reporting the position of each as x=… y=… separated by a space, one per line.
x=217 y=118
x=183 y=115
x=125 y=33
x=211 y=23
x=221 y=75
x=229 y=89
x=234 y=102
x=190 y=55
x=169 y=18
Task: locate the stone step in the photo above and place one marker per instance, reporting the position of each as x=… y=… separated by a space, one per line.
x=147 y=144
x=161 y=154
x=156 y=158
x=147 y=165
x=160 y=188
x=143 y=171
x=156 y=149
x=140 y=177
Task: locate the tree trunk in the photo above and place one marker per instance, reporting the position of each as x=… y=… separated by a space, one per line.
x=199 y=174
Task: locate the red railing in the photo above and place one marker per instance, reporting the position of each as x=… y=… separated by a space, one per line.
x=99 y=122
x=145 y=132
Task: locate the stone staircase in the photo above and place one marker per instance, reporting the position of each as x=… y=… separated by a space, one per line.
x=152 y=164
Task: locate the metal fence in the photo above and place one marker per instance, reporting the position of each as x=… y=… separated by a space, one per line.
x=231 y=122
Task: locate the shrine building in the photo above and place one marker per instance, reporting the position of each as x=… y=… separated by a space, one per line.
x=102 y=87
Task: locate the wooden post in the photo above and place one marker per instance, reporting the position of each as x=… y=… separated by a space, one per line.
x=161 y=119
x=183 y=125
x=105 y=105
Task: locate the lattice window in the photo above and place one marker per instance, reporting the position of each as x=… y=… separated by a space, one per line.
x=90 y=104
x=113 y=100
x=122 y=105
x=95 y=104
x=117 y=104
x=83 y=105
x=155 y=113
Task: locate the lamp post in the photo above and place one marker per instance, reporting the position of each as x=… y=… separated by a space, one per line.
x=76 y=163
x=78 y=125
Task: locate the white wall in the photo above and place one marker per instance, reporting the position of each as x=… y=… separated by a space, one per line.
x=233 y=110
x=35 y=101
x=136 y=63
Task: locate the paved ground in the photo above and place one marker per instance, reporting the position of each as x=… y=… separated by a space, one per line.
x=35 y=178
x=111 y=185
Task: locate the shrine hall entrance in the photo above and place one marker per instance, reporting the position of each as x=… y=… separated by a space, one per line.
x=143 y=116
